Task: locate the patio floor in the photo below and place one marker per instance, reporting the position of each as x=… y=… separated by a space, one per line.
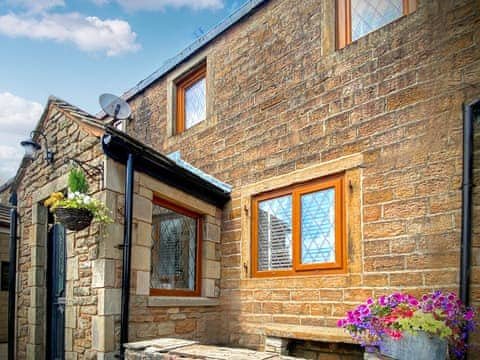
x=185 y=349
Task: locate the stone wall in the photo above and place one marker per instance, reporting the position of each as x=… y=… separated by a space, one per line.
x=151 y=317
x=286 y=100
x=82 y=248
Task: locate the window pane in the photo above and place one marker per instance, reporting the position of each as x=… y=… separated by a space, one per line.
x=318 y=227
x=275 y=233
x=195 y=103
x=369 y=15
x=174 y=248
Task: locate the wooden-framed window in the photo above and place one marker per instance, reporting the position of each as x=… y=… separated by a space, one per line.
x=299 y=229
x=176 y=250
x=356 y=18
x=191 y=99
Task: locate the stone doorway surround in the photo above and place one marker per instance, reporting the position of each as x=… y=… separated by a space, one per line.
x=37 y=273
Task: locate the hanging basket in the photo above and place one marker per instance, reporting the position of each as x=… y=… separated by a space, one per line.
x=74 y=219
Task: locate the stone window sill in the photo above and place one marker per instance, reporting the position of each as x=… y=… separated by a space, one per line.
x=178 y=301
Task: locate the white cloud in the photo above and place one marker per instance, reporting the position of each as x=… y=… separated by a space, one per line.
x=36 y=5
x=18 y=117
x=90 y=34
x=152 y=5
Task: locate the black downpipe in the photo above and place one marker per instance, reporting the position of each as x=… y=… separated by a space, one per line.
x=12 y=274
x=127 y=240
x=466 y=241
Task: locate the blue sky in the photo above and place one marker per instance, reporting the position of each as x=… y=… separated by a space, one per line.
x=78 y=49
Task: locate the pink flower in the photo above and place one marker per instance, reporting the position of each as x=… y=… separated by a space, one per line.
x=412 y=301
x=468 y=315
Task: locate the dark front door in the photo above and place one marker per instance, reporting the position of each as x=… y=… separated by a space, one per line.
x=56 y=293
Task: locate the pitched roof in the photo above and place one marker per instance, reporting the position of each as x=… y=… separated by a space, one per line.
x=245 y=10
x=118 y=145
x=88 y=122
x=76 y=114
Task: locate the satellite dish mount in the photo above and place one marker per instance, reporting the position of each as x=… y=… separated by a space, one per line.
x=115 y=106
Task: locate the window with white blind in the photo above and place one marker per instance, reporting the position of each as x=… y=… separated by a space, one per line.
x=299 y=229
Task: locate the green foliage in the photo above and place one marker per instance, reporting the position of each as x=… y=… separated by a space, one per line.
x=77 y=181
x=428 y=322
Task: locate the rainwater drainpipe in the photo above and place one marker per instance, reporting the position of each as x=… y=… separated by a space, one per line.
x=469 y=112
x=127 y=251
x=12 y=274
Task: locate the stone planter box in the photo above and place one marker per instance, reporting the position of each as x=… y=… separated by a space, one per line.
x=420 y=346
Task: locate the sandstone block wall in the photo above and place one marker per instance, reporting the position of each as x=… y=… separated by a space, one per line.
x=162 y=316
x=82 y=248
x=284 y=100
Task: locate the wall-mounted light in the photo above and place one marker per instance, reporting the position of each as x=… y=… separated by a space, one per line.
x=31 y=147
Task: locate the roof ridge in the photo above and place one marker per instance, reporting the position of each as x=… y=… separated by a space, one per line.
x=246 y=9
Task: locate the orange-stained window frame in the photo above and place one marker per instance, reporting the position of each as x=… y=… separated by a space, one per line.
x=198 y=269
x=343 y=11
x=296 y=191
x=181 y=87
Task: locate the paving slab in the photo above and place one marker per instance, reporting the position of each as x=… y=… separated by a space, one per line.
x=221 y=353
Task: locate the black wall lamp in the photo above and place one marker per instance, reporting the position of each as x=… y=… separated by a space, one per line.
x=31 y=147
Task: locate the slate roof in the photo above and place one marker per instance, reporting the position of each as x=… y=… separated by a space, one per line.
x=247 y=9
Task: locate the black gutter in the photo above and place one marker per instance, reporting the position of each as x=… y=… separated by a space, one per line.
x=466 y=241
x=127 y=252
x=118 y=145
x=12 y=275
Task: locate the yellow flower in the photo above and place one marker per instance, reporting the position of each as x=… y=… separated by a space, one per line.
x=53 y=199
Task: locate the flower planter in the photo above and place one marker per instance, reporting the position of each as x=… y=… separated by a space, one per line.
x=420 y=346
x=74 y=219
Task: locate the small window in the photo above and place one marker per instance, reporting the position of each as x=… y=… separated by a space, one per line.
x=176 y=250
x=299 y=229
x=356 y=18
x=191 y=99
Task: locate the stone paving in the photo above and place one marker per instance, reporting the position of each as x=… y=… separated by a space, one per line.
x=172 y=349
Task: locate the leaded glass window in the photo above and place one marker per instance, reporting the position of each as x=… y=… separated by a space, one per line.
x=175 y=245
x=356 y=18
x=191 y=99
x=370 y=15
x=195 y=103
x=318 y=227
x=299 y=229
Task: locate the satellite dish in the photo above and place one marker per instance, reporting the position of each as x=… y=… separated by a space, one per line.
x=115 y=106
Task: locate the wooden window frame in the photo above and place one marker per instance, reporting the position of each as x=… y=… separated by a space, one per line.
x=343 y=10
x=198 y=269
x=181 y=87
x=339 y=266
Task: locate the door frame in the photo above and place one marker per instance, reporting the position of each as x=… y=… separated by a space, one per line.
x=49 y=285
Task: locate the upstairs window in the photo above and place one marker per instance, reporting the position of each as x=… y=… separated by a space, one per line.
x=356 y=18
x=176 y=246
x=191 y=99
x=299 y=229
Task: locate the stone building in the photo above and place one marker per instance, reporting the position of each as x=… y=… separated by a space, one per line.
x=315 y=160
